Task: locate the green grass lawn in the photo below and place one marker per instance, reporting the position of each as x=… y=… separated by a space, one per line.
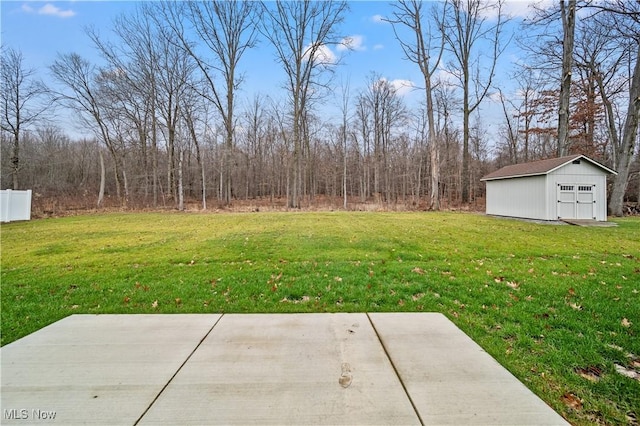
x=559 y=306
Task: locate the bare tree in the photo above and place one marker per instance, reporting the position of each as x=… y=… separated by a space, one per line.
x=383 y=112
x=78 y=76
x=23 y=102
x=520 y=113
x=466 y=26
x=134 y=89
x=227 y=29
x=193 y=108
x=362 y=139
x=624 y=22
x=344 y=135
x=447 y=101
x=568 y=18
x=409 y=13
x=600 y=59
x=255 y=121
x=301 y=31
x=628 y=143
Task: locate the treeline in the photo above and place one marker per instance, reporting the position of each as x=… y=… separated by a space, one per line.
x=56 y=166
x=169 y=126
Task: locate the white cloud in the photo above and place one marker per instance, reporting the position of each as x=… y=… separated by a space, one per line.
x=402 y=87
x=378 y=47
x=445 y=76
x=322 y=54
x=379 y=19
x=50 y=10
x=516 y=8
x=354 y=42
x=525 y=8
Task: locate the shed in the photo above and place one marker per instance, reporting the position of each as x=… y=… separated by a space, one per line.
x=571 y=187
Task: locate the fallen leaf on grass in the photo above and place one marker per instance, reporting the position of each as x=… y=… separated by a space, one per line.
x=627 y=372
x=626 y=323
x=591 y=373
x=154 y=304
x=418 y=271
x=572 y=401
x=576 y=307
x=178 y=301
x=616 y=347
x=274 y=278
x=513 y=284
x=417 y=296
x=295 y=301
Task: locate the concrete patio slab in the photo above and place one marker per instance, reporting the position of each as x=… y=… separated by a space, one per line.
x=451 y=379
x=259 y=369
x=590 y=222
x=286 y=369
x=95 y=369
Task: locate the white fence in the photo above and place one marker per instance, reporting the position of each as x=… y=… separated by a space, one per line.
x=15 y=205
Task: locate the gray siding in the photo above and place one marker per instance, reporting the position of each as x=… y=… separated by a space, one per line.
x=518 y=197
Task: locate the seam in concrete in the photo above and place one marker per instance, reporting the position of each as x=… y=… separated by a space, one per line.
x=395 y=370
x=178 y=370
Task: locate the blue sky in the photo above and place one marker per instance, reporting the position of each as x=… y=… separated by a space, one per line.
x=41 y=30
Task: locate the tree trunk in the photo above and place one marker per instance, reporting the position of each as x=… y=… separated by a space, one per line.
x=628 y=144
x=15 y=160
x=204 y=188
x=434 y=152
x=465 y=141
x=125 y=182
x=102 y=180
x=180 y=185
x=344 y=175
x=568 y=26
x=154 y=160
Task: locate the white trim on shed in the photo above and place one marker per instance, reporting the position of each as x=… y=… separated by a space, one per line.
x=572 y=187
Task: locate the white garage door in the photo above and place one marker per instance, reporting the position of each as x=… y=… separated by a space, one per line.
x=576 y=201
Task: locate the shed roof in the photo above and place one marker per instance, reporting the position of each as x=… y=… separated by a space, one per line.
x=541 y=167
